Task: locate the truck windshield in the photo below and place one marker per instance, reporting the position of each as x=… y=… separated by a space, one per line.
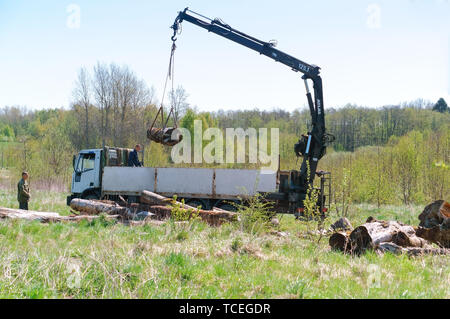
x=86 y=162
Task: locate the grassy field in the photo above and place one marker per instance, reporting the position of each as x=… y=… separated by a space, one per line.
x=192 y=260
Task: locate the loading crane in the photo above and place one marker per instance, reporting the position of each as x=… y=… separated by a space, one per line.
x=311 y=146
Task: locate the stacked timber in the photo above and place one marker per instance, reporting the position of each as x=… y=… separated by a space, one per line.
x=397 y=237
x=152 y=206
x=162 y=206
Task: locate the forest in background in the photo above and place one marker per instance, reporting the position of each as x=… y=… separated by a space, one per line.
x=389 y=155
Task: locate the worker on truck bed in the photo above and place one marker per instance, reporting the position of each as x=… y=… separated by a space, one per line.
x=133 y=159
x=23 y=192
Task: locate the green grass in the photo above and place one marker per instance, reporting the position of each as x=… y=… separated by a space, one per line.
x=40 y=201
x=178 y=260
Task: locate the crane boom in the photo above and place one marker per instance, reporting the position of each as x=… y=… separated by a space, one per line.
x=311 y=146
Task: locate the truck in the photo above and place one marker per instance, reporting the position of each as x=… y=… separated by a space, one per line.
x=103 y=174
x=100 y=173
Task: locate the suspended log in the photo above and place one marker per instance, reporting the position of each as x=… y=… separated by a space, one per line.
x=44 y=217
x=92 y=207
x=169 y=136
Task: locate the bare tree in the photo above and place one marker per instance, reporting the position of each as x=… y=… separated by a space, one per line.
x=103 y=96
x=178 y=100
x=82 y=96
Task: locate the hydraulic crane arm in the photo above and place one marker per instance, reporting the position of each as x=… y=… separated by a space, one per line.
x=311 y=146
x=310 y=71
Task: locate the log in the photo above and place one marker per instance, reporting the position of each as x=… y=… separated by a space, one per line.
x=341 y=224
x=92 y=207
x=408 y=240
x=435 y=223
x=340 y=241
x=434 y=214
x=412 y=251
x=45 y=217
x=438 y=235
x=374 y=232
x=213 y=218
x=169 y=136
x=151 y=198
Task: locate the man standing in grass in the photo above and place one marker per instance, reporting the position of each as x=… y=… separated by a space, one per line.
x=23 y=192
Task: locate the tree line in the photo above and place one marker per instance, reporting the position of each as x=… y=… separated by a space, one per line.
x=391 y=154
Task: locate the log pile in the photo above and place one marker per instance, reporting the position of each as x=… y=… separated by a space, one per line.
x=398 y=238
x=152 y=206
x=161 y=207
x=156 y=207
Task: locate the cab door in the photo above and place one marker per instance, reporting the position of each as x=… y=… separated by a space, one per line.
x=86 y=173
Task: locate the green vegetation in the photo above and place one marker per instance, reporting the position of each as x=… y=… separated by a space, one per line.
x=381 y=159
x=192 y=260
x=382 y=156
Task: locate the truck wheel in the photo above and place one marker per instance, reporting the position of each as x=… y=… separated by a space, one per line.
x=195 y=203
x=91 y=196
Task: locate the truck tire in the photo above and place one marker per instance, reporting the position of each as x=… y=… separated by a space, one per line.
x=91 y=195
x=195 y=203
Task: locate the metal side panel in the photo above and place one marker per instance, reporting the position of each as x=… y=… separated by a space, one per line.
x=244 y=182
x=128 y=179
x=185 y=180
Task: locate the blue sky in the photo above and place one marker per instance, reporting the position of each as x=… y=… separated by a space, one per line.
x=371 y=53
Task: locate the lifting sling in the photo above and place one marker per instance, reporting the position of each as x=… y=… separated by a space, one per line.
x=169 y=136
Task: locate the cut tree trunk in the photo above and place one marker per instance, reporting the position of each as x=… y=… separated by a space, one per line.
x=373 y=233
x=431 y=215
x=340 y=241
x=91 y=207
x=435 y=223
x=438 y=235
x=412 y=251
x=44 y=217
x=151 y=198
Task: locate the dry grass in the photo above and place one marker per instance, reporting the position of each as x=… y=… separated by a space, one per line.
x=192 y=260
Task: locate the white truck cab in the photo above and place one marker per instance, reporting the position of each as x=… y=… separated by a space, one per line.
x=87 y=172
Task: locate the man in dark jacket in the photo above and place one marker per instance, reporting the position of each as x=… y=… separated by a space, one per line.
x=23 y=192
x=133 y=159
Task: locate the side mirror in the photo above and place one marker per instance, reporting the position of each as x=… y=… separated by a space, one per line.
x=73 y=161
